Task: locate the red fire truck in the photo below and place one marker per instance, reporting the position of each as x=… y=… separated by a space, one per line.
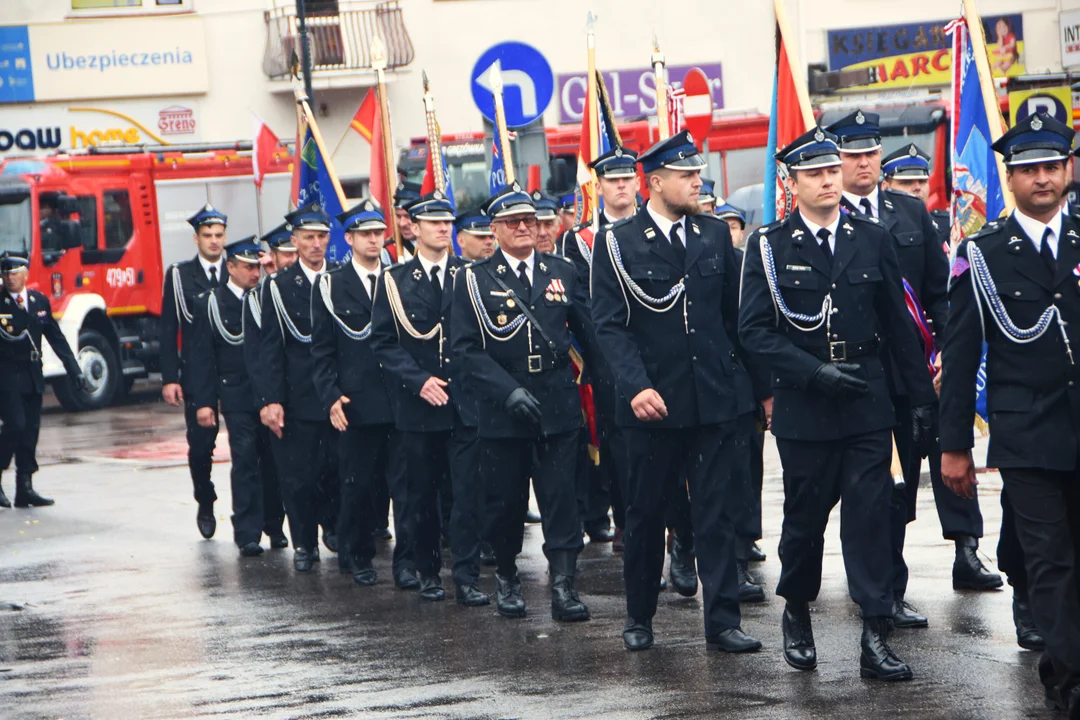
x=100 y=227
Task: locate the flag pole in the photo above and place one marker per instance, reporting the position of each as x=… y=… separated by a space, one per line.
x=989 y=96
x=496 y=82
x=434 y=137
x=594 y=97
x=792 y=48
x=661 y=90
x=379 y=64
x=317 y=135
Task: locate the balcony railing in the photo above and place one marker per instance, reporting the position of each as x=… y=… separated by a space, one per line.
x=340 y=41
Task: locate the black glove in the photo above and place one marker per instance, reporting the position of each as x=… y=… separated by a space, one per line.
x=523 y=405
x=922 y=428
x=835 y=380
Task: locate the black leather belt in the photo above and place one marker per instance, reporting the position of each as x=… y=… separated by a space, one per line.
x=539 y=363
x=843 y=350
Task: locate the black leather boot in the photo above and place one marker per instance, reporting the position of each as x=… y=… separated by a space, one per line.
x=799 y=649
x=565 y=603
x=637 y=635
x=968 y=572
x=1027 y=635
x=508 y=599
x=749 y=589
x=205 y=520
x=878 y=661
x=4 y=502
x=683 y=569
x=905 y=616
x=25 y=495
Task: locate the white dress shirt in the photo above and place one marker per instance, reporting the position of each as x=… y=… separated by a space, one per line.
x=530 y=262
x=206 y=265
x=831 y=228
x=665 y=225
x=427 y=265
x=1035 y=229
x=872 y=197
x=236 y=289
x=363 y=272
x=311 y=274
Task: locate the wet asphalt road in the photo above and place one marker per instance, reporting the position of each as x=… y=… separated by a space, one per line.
x=112 y=606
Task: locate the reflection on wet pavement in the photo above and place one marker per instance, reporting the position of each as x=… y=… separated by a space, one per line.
x=111 y=606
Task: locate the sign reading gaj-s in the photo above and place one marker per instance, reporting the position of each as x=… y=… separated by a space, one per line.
x=918 y=54
x=102 y=59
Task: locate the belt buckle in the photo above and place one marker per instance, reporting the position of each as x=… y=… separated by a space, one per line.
x=838 y=351
x=34 y=356
x=536 y=363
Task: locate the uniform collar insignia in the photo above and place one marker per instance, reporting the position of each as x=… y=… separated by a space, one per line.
x=1014 y=240
x=1071 y=233
x=847 y=227
x=453 y=270
x=501 y=269
x=887 y=203
x=650 y=233
x=417 y=274
x=875 y=220
x=697 y=230
x=797 y=232
x=299 y=280
x=542 y=266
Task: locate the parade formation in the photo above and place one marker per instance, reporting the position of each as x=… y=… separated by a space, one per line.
x=622 y=348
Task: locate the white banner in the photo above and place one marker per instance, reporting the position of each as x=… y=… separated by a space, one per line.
x=1070 y=38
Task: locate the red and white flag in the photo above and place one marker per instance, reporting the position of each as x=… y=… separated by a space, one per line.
x=264 y=145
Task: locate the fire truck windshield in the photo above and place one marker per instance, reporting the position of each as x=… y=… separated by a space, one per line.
x=15 y=220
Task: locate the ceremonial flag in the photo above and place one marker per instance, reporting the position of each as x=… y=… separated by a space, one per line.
x=428 y=185
x=264 y=145
x=790 y=117
x=366 y=118
x=978 y=194
x=498 y=169
x=316 y=186
x=676 y=97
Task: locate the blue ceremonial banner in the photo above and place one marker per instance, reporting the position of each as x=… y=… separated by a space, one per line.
x=498 y=170
x=977 y=194
x=768 y=203
x=316 y=186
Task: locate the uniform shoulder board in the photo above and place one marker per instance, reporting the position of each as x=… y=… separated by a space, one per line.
x=555 y=256
x=336 y=267
x=859 y=217
x=397 y=270
x=620 y=223
x=579 y=227
x=205 y=294
x=770 y=228
x=987 y=230
x=477 y=263
x=901 y=196
x=708 y=216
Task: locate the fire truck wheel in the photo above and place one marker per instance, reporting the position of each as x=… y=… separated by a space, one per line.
x=101 y=366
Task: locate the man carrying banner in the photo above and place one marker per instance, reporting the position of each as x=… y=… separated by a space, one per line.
x=665 y=304
x=908 y=171
x=1014 y=287
x=406 y=194
x=925 y=269
x=820 y=288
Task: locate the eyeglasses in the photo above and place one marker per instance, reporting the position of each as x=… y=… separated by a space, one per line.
x=512 y=223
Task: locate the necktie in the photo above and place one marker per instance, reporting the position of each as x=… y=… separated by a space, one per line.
x=677 y=244
x=371 y=284
x=1046 y=253
x=436 y=282
x=19 y=301
x=823 y=235
x=213 y=274
x=866 y=208
x=524 y=277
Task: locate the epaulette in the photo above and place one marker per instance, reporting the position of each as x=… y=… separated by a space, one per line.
x=204 y=294
x=988 y=229
x=555 y=256
x=334 y=268
x=620 y=223
x=859 y=217
x=901 y=196
x=766 y=229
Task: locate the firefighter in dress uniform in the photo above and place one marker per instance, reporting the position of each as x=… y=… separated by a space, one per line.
x=183 y=282
x=25 y=316
x=303 y=437
x=1015 y=288
x=665 y=303
x=219 y=378
x=819 y=289
x=513 y=313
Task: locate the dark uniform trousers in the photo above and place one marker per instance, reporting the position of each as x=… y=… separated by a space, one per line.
x=395 y=480
x=247 y=476
x=273 y=505
x=174 y=360
x=833 y=451
x=21 y=381
x=1034 y=413
x=308 y=474
x=363 y=454
x=468 y=507
x=690 y=355
x=1010 y=555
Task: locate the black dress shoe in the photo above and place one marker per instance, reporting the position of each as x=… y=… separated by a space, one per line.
x=405 y=579
x=315 y=554
x=905 y=617
x=755 y=553
x=531 y=517
x=1074 y=704
x=749 y=589
x=26 y=496
x=663 y=583
x=799 y=650
x=4 y=502
x=566 y=606
x=637 y=635
x=302 y=559
x=431 y=588
x=682 y=570
x=364 y=574
x=251 y=549
x=206 y=521
x=617 y=542
x=382 y=534
x=599 y=533
x=968 y=572
x=487 y=555
x=508 y=599
x=278 y=541
x=1027 y=634
x=329 y=539
x=471 y=596
x=878 y=661
x=732 y=640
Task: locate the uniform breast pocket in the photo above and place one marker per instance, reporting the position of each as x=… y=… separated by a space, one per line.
x=860 y=276
x=798 y=281
x=712 y=266
x=650 y=273
x=1021 y=291
x=909 y=240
